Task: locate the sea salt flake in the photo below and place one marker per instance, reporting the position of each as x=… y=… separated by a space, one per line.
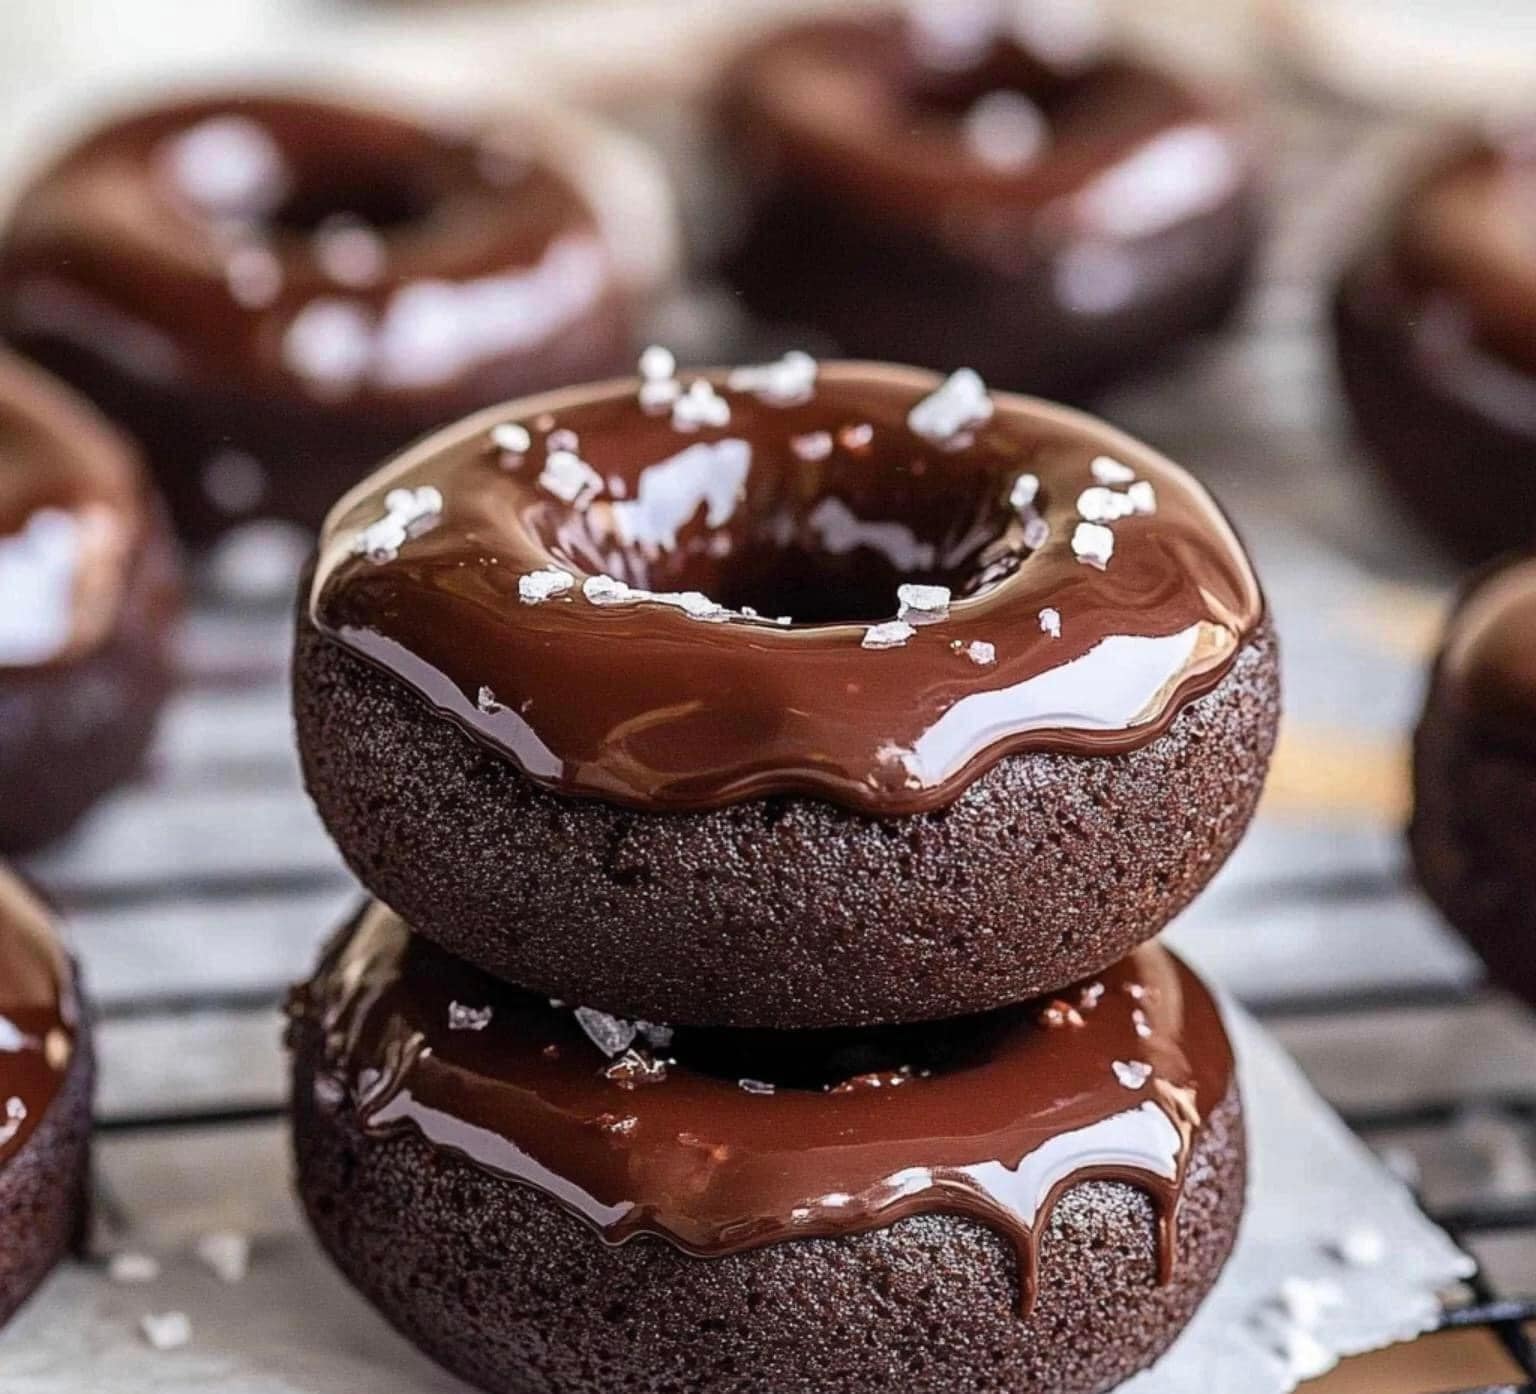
x=1037 y=532
x=570 y=478
x=464 y=1018
x=537 y=586
x=756 y=1086
x=785 y=383
x=695 y=604
x=15 y=1114
x=1050 y=622
x=1102 y=505
x=947 y=415
x=407 y=513
x=130 y=1267
x=610 y=1034
x=890 y=635
x=1305 y=1356
x=563 y=439
x=486 y=701
x=657 y=1036
x=605 y=590
x=981 y=653
x=1305 y=1301
x=924 y=604
x=700 y=406
x=226 y=1253
x=1093 y=544
x=1142 y=1025
x=1006 y=130
x=1362 y=1247
x=350 y=252
x=813 y=447
x=658 y=364
x=635 y=1068
x=1058 y=1014
x=166 y=1330
x=1143 y=498
x=1026 y=489
x=659 y=394
x=1133 y=1074
x=1107 y=470
x=511 y=438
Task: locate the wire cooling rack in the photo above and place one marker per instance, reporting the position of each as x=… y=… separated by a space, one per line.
x=196 y=897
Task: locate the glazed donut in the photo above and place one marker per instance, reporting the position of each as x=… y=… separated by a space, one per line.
x=796 y=696
x=1475 y=775
x=46 y=1078
x=271 y=292
x=89 y=611
x=1436 y=333
x=1055 y=223
x=1033 y=1200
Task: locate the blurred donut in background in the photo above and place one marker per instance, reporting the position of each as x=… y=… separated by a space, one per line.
x=1435 y=322
x=985 y=184
x=271 y=292
x=1475 y=775
x=89 y=601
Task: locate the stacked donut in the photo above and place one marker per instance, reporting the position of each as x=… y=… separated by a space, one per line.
x=771 y=782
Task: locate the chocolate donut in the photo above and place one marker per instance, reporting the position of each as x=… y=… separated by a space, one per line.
x=609 y=693
x=273 y=292
x=88 y=604
x=1435 y=324
x=941 y=197
x=1033 y=1200
x=1475 y=775
x=46 y=1078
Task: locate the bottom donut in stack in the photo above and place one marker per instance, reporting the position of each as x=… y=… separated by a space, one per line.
x=1036 y=1198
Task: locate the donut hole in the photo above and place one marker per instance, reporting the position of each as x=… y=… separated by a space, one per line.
x=826 y=542
x=383 y=199
x=880 y=1057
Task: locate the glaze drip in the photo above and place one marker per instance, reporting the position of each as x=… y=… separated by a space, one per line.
x=681 y=615
x=38 y=1015
x=993 y=1118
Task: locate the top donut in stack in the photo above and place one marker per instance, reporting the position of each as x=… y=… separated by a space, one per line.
x=795 y=696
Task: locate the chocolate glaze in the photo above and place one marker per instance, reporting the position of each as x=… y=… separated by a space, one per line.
x=1467 y=238
x=1487 y=669
x=727 y=1141
x=646 y=706
x=272 y=291
x=39 y=1017
x=73 y=518
x=1131 y=224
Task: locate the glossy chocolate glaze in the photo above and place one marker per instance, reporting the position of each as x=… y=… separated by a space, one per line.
x=39 y=1017
x=725 y=1141
x=1487 y=668
x=863 y=107
x=73 y=518
x=815 y=511
x=1466 y=238
x=1054 y=222
x=271 y=291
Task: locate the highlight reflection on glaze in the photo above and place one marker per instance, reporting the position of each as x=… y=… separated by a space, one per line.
x=814 y=512
x=994 y=1118
x=38 y=1015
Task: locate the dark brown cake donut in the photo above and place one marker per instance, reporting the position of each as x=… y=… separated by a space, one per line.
x=1475 y=775
x=1036 y=1200
x=1436 y=335
x=273 y=292
x=532 y=732
x=940 y=197
x=88 y=607
x=46 y=1078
